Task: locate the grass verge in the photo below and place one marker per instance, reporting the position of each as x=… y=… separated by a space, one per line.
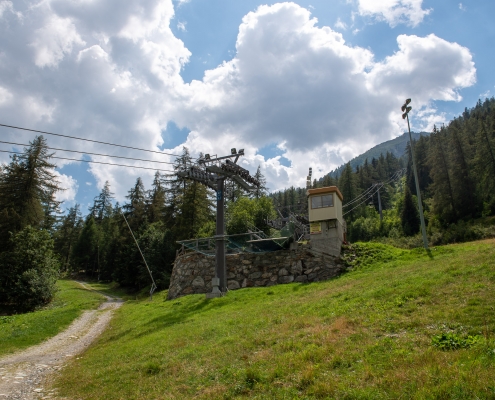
x=409 y=325
x=23 y=330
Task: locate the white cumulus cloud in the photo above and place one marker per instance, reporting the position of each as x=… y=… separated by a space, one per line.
x=111 y=71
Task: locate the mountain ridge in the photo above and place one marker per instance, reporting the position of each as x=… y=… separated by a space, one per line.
x=395 y=146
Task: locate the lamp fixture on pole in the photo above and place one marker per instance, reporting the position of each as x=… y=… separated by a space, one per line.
x=405 y=109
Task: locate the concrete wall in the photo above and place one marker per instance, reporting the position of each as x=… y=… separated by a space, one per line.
x=192 y=272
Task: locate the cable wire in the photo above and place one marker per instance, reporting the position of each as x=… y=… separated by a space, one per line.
x=87 y=140
x=395 y=177
x=93 y=154
x=96 y=162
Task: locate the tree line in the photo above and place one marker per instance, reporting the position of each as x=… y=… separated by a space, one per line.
x=456 y=169
x=40 y=241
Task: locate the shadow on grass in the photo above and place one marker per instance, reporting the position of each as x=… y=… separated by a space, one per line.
x=182 y=315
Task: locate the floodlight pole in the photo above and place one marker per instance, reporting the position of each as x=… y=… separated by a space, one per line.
x=420 y=204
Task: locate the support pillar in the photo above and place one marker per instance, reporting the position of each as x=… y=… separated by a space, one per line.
x=220 y=265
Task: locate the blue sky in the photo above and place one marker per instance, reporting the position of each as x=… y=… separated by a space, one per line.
x=296 y=84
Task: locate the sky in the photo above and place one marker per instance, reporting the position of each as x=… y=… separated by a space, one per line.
x=310 y=83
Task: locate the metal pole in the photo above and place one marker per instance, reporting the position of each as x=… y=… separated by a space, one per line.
x=418 y=193
x=220 y=271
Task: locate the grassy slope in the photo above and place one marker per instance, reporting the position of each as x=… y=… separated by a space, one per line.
x=367 y=334
x=24 y=330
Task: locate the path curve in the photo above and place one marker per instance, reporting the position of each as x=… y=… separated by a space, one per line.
x=22 y=374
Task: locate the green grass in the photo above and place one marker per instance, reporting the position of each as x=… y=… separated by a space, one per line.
x=23 y=330
x=377 y=332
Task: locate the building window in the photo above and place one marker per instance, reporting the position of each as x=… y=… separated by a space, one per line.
x=322 y=201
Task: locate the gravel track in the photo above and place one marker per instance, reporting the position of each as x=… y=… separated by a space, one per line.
x=22 y=374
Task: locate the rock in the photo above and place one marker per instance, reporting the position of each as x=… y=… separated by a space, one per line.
x=301 y=278
x=255 y=275
x=198 y=282
x=283 y=272
x=308 y=271
x=233 y=285
x=297 y=267
x=286 y=279
x=246 y=262
x=188 y=290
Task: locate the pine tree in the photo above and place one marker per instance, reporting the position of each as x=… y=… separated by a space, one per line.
x=67 y=234
x=347 y=186
x=260 y=190
x=462 y=185
x=27 y=190
x=409 y=215
x=485 y=162
x=441 y=187
x=155 y=202
x=102 y=204
x=86 y=249
x=135 y=210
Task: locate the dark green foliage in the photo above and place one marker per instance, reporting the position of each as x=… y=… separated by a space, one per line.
x=102 y=204
x=409 y=215
x=86 y=249
x=27 y=190
x=67 y=235
x=453 y=341
x=28 y=270
x=246 y=213
x=262 y=190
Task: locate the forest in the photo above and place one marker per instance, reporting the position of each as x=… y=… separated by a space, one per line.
x=456 y=171
x=456 y=167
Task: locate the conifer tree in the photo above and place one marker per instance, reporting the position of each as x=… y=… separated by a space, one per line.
x=347 y=186
x=102 y=204
x=67 y=234
x=135 y=210
x=409 y=214
x=155 y=202
x=462 y=184
x=441 y=187
x=27 y=190
x=260 y=190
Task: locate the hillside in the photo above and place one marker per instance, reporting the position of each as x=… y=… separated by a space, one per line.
x=395 y=146
x=401 y=324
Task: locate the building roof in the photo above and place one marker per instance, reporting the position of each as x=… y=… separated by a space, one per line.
x=323 y=190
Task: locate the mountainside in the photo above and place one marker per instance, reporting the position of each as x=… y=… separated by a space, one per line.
x=395 y=146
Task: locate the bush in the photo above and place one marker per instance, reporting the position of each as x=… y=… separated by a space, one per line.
x=28 y=270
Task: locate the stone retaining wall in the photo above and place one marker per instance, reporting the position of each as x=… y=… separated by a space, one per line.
x=193 y=272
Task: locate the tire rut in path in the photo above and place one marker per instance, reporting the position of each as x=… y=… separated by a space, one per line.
x=22 y=374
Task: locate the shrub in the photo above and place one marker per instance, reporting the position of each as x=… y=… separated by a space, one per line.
x=28 y=270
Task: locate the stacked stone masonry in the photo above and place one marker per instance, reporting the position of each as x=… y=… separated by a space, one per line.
x=193 y=272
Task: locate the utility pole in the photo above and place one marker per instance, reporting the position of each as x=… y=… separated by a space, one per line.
x=212 y=172
x=405 y=109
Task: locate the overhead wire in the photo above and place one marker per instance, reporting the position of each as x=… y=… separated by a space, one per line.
x=395 y=177
x=93 y=154
x=361 y=195
x=87 y=140
x=96 y=162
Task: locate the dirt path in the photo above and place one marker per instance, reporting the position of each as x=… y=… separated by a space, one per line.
x=22 y=374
